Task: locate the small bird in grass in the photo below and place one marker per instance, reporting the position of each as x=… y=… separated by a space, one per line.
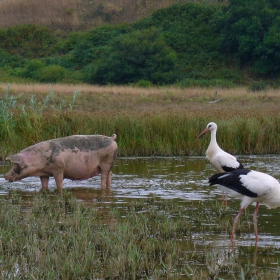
x=221 y=160
x=249 y=186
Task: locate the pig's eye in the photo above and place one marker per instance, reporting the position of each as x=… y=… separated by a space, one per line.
x=17 y=168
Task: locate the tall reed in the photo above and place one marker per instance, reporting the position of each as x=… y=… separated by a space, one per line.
x=161 y=129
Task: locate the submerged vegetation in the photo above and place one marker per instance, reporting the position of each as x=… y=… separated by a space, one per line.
x=56 y=237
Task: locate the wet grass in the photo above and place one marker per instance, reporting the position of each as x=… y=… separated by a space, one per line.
x=56 y=237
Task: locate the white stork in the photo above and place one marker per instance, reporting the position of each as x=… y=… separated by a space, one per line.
x=221 y=160
x=250 y=186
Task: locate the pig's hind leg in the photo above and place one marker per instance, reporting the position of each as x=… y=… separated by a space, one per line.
x=44 y=182
x=106 y=175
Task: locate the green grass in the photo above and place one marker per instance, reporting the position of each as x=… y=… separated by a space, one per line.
x=147 y=123
x=158 y=134
x=56 y=237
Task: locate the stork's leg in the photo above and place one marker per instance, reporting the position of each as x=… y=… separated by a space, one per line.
x=235 y=221
x=224 y=198
x=255 y=219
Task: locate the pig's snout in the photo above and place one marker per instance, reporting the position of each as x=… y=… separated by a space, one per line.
x=9 y=177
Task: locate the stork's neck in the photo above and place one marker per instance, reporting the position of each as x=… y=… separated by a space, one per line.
x=213 y=146
x=213 y=141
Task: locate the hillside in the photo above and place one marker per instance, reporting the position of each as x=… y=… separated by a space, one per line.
x=72 y=15
x=189 y=44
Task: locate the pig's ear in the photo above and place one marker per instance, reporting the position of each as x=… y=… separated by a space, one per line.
x=15 y=159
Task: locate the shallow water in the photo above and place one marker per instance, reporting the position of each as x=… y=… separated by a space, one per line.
x=184 y=179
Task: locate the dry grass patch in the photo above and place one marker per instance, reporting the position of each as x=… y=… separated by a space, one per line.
x=200 y=101
x=77 y=14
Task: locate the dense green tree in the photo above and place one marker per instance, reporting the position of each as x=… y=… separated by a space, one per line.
x=250 y=30
x=88 y=46
x=139 y=55
x=28 y=40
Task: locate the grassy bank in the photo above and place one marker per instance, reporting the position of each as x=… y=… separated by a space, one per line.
x=56 y=237
x=154 y=121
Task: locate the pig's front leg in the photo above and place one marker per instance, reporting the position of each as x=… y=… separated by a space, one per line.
x=104 y=177
x=44 y=182
x=109 y=179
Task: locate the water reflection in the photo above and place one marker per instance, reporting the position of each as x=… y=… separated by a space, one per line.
x=182 y=178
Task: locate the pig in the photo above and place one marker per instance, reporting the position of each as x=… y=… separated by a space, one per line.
x=76 y=157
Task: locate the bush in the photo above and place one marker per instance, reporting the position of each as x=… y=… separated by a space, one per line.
x=250 y=30
x=9 y=60
x=32 y=68
x=143 y=84
x=89 y=46
x=257 y=86
x=50 y=74
x=140 y=55
x=28 y=40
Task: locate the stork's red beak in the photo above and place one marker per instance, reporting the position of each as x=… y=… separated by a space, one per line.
x=203 y=132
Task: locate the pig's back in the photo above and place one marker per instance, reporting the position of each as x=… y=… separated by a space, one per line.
x=83 y=143
x=75 y=146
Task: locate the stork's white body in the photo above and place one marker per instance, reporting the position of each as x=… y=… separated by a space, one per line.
x=249 y=186
x=220 y=159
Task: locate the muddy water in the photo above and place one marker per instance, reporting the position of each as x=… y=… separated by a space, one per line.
x=183 y=180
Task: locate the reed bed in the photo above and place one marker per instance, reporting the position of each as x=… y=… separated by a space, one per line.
x=56 y=237
x=148 y=122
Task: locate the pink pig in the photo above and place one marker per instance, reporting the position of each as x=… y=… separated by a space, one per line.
x=75 y=157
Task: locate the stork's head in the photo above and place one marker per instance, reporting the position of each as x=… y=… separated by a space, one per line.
x=210 y=126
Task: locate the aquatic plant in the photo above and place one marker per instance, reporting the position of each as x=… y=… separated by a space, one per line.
x=56 y=237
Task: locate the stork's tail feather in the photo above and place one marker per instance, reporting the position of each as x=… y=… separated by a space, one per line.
x=214 y=179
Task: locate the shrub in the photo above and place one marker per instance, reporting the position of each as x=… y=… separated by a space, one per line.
x=32 y=68
x=140 y=55
x=257 y=86
x=143 y=84
x=9 y=60
x=250 y=30
x=89 y=46
x=28 y=40
x=50 y=74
